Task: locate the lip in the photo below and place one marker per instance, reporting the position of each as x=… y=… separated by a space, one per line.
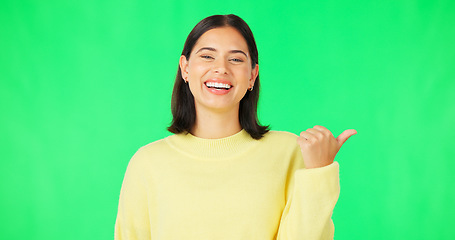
x=218 y=91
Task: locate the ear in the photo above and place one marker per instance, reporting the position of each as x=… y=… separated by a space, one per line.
x=254 y=75
x=183 y=63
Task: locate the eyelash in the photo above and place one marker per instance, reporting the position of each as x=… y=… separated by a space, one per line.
x=210 y=57
x=206 y=57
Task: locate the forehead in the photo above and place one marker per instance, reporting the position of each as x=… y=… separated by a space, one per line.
x=224 y=38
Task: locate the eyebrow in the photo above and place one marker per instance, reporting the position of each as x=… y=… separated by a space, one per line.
x=214 y=50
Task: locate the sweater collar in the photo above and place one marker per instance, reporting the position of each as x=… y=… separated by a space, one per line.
x=212 y=148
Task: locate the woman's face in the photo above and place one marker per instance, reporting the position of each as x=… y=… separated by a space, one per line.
x=219 y=70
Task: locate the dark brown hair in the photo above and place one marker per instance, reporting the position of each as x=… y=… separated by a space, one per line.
x=182 y=105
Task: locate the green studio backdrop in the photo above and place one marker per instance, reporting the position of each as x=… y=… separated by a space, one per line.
x=84 y=84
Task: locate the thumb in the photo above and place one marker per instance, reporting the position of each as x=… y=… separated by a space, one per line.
x=345 y=135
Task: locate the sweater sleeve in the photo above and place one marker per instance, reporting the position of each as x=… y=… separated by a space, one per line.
x=309 y=207
x=132 y=221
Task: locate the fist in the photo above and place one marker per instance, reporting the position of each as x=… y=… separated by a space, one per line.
x=319 y=146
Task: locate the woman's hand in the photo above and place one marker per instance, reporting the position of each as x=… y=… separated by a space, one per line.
x=319 y=146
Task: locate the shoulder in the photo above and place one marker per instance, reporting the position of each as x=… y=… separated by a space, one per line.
x=280 y=141
x=280 y=136
x=148 y=153
x=283 y=146
x=153 y=146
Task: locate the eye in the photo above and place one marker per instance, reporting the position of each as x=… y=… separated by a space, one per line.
x=236 y=60
x=206 y=57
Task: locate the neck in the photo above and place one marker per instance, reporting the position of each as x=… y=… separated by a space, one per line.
x=215 y=125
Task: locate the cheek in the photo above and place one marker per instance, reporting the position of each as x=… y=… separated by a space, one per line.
x=243 y=72
x=198 y=66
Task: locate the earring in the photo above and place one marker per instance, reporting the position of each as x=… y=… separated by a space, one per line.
x=185 y=80
x=251 y=89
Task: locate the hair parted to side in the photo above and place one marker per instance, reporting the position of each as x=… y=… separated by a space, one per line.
x=182 y=104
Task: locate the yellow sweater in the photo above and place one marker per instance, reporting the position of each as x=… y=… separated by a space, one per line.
x=184 y=188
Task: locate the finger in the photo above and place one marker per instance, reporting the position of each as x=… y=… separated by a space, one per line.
x=341 y=139
x=317 y=133
x=301 y=141
x=307 y=135
x=324 y=130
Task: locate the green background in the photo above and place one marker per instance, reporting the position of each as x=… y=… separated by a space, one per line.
x=84 y=84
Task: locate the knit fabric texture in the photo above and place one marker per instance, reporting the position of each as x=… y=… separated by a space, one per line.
x=234 y=188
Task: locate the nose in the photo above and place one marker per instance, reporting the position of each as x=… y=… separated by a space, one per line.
x=220 y=66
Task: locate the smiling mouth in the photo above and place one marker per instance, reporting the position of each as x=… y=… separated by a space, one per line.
x=217 y=85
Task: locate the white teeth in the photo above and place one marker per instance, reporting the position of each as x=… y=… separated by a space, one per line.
x=217 y=85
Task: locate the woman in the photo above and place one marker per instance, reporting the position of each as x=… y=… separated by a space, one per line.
x=222 y=175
